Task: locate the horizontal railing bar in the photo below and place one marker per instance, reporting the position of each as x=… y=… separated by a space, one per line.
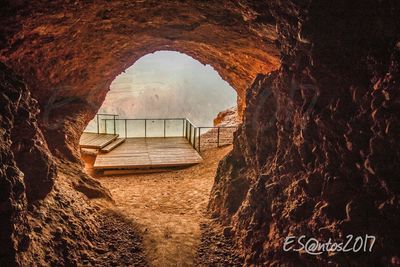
x=156 y=119
x=177 y=119
x=216 y=127
x=103 y=114
x=190 y=122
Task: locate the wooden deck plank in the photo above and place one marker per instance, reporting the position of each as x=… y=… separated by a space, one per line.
x=96 y=141
x=113 y=145
x=87 y=137
x=156 y=152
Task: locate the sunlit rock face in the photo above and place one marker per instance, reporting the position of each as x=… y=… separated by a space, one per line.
x=228 y=117
x=318 y=152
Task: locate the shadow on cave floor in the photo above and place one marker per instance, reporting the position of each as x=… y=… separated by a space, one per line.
x=118 y=242
x=170 y=211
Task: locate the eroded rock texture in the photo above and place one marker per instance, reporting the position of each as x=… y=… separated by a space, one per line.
x=13 y=199
x=38 y=206
x=68 y=53
x=79 y=47
x=318 y=152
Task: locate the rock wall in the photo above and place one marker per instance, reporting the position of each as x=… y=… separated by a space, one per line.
x=14 y=99
x=39 y=203
x=318 y=151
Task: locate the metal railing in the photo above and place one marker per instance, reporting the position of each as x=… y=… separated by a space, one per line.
x=156 y=127
x=101 y=118
x=198 y=137
x=216 y=136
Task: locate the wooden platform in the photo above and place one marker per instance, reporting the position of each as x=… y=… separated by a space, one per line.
x=154 y=152
x=96 y=141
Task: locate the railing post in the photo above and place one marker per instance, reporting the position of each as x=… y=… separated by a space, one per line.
x=190 y=133
x=164 y=128
x=115 y=128
x=183 y=127
x=145 y=128
x=218 y=137
x=194 y=137
x=105 y=123
x=199 y=138
x=98 y=125
x=126 y=130
x=186 y=129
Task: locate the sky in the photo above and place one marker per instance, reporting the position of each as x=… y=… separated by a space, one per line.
x=168 y=84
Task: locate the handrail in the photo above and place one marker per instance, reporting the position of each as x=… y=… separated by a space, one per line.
x=218 y=141
x=189 y=130
x=106 y=114
x=190 y=122
x=216 y=127
x=157 y=119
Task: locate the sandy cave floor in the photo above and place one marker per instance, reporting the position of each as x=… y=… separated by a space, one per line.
x=169 y=208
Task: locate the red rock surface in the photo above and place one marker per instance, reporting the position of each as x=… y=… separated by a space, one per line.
x=68 y=53
x=317 y=153
x=79 y=47
x=44 y=220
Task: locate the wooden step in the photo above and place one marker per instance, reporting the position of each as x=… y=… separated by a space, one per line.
x=138 y=171
x=96 y=141
x=112 y=145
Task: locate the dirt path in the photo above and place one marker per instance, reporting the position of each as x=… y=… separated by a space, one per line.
x=168 y=207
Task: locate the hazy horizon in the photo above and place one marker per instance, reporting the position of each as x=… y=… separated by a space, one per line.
x=169 y=84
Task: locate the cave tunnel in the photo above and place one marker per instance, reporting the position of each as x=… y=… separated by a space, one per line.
x=317 y=153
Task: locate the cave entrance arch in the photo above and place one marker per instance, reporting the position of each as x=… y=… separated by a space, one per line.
x=87 y=44
x=69 y=54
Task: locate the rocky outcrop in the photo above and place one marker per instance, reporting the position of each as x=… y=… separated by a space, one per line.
x=229 y=117
x=318 y=151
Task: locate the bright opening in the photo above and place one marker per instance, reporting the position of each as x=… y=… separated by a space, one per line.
x=168 y=84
